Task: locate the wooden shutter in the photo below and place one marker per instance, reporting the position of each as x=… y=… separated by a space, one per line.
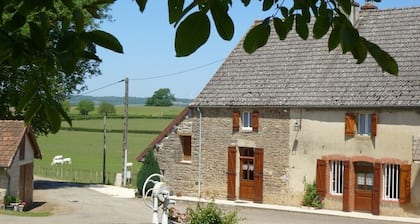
x=346 y=186
x=405 y=181
x=258 y=175
x=235 y=125
x=374 y=123
x=350 y=124
x=255 y=121
x=321 y=172
x=231 y=173
x=376 y=188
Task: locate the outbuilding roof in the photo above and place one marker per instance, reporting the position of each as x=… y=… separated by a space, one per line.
x=299 y=73
x=12 y=135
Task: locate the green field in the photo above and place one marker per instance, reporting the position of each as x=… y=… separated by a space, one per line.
x=85 y=148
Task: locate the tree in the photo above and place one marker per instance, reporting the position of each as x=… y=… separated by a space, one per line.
x=85 y=106
x=150 y=166
x=106 y=108
x=161 y=98
x=46 y=39
x=47 y=50
x=66 y=105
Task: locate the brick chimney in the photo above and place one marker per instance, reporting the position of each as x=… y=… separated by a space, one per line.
x=369 y=6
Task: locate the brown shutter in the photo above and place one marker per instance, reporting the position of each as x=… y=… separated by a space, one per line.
x=405 y=181
x=235 y=125
x=346 y=186
x=374 y=117
x=376 y=188
x=258 y=175
x=255 y=121
x=350 y=124
x=231 y=173
x=321 y=172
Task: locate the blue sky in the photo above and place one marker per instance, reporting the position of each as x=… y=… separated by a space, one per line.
x=149 y=57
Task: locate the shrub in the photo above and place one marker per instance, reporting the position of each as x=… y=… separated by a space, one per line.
x=311 y=197
x=150 y=166
x=211 y=214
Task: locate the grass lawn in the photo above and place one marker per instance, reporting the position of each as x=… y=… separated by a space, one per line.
x=86 y=148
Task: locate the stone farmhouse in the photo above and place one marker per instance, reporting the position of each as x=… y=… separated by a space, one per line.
x=18 y=149
x=293 y=113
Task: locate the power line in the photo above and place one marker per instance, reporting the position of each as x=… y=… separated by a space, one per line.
x=154 y=77
x=103 y=87
x=180 y=72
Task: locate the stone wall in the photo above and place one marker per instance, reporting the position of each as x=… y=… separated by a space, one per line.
x=216 y=137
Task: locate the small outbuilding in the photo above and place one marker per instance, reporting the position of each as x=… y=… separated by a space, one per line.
x=18 y=149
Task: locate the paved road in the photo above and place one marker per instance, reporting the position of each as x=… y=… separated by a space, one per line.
x=77 y=203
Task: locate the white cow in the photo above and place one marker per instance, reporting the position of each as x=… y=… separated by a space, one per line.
x=67 y=161
x=57 y=162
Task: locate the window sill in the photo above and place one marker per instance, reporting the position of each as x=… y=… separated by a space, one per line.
x=363 y=137
x=246 y=129
x=187 y=162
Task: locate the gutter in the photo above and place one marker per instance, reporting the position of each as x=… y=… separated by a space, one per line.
x=199 y=150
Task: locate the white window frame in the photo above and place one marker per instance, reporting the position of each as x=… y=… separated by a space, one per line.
x=336 y=177
x=246 y=121
x=391 y=182
x=364 y=124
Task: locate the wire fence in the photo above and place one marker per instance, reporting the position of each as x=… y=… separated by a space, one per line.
x=68 y=173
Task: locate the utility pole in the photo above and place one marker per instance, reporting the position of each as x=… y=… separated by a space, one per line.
x=125 y=135
x=104 y=159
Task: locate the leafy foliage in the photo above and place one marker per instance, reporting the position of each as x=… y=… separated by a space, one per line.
x=150 y=166
x=161 y=98
x=85 y=106
x=211 y=214
x=311 y=197
x=106 y=108
x=193 y=26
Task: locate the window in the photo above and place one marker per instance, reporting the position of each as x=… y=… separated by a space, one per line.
x=336 y=177
x=247 y=163
x=364 y=124
x=391 y=182
x=247 y=121
x=186 y=147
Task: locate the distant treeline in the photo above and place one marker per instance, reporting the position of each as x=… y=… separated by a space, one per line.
x=115 y=100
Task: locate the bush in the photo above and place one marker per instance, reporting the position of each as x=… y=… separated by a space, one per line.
x=150 y=166
x=211 y=214
x=311 y=197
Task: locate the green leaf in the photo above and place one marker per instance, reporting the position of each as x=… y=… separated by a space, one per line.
x=175 y=8
x=93 y=11
x=345 y=5
x=191 y=34
x=68 y=3
x=256 y=37
x=321 y=26
x=142 y=4
x=282 y=29
x=348 y=37
x=79 y=20
x=359 y=52
x=284 y=11
x=302 y=27
x=6 y=47
x=37 y=36
x=267 y=4
x=53 y=117
x=246 y=2
x=105 y=40
x=384 y=60
x=32 y=110
x=334 y=39
x=222 y=20
x=16 y=22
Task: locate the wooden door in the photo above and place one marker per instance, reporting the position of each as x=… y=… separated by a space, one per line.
x=247 y=177
x=26 y=183
x=363 y=190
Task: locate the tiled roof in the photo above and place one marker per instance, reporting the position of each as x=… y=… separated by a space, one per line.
x=298 y=73
x=11 y=135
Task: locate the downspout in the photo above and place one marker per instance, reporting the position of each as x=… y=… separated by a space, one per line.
x=199 y=151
